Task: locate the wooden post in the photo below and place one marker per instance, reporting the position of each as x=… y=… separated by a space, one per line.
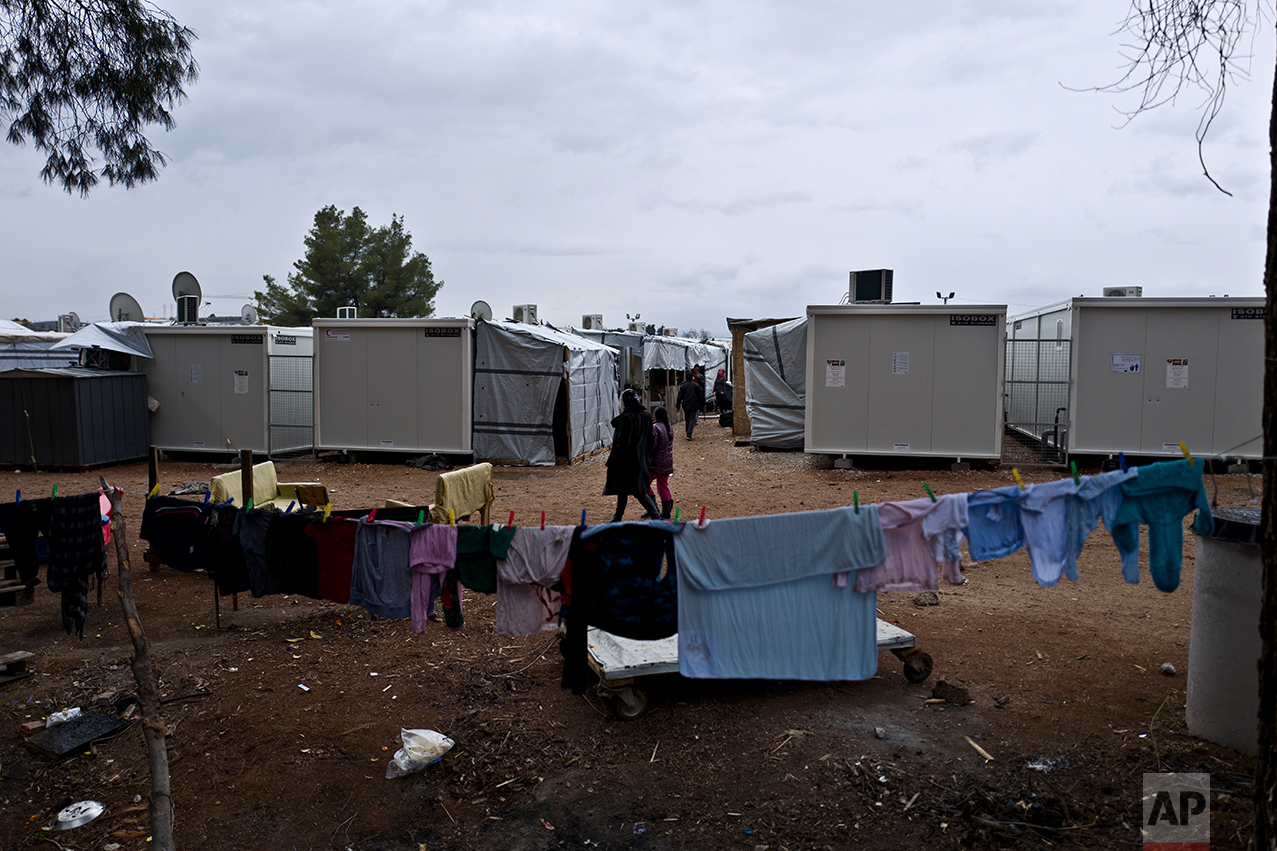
x=153 y=469
x=148 y=687
x=245 y=494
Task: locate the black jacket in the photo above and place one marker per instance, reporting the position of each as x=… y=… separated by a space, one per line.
x=628 y=464
x=691 y=396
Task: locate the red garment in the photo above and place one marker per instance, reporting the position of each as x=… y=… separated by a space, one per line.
x=336 y=540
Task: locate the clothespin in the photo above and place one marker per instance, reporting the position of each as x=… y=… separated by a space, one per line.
x=452 y=518
x=328 y=509
x=421 y=517
x=19 y=499
x=372 y=515
x=582 y=518
x=249 y=507
x=1077 y=480
x=542 y=520
x=676 y=515
x=55 y=487
x=152 y=492
x=1019 y=481
x=702 y=520
x=207 y=495
x=291 y=503
x=929 y=493
x=1121 y=460
x=228 y=502
x=855 y=497
x=510 y=522
x=1182 y=448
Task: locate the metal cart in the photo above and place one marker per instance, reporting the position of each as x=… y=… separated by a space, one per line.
x=619 y=662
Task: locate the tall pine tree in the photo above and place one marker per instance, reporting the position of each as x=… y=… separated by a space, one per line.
x=349 y=263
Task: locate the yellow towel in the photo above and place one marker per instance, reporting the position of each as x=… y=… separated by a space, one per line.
x=464 y=491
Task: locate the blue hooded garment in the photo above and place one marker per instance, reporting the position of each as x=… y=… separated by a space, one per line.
x=1160 y=496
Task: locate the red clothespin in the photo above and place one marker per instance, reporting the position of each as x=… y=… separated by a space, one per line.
x=372 y=515
x=510 y=522
x=701 y=522
x=543 y=520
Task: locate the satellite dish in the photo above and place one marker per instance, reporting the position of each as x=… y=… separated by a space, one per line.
x=184 y=284
x=124 y=308
x=248 y=315
x=481 y=310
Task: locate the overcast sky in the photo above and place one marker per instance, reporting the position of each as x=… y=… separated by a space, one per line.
x=685 y=161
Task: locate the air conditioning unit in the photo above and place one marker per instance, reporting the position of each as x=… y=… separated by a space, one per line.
x=592 y=322
x=669 y=332
x=525 y=313
x=638 y=328
x=348 y=312
x=871 y=287
x=68 y=323
x=1123 y=292
x=188 y=309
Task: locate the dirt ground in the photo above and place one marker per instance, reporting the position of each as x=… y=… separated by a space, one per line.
x=1067 y=697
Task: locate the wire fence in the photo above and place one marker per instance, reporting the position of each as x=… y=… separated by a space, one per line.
x=1036 y=400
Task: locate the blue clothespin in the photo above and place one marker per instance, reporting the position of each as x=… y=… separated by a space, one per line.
x=228 y=502
x=1121 y=460
x=290 y=506
x=582 y=518
x=207 y=495
x=19 y=495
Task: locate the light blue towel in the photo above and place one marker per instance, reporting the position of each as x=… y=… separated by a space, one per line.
x=757 y=597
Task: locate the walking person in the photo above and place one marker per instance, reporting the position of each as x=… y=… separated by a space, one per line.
x=690 y=400
x=628 y=462
x=662 y=459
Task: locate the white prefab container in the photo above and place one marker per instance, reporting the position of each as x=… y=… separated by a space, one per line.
x=224 y=388
x=905 y=380
x=1140 y=375
x=394 y=385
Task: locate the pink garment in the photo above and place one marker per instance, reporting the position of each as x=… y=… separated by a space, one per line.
x=918 y=533
x=432 y=551
x=533 y=563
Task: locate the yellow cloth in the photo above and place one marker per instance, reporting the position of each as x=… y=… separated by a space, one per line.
x=267 y=490
x=464 y=491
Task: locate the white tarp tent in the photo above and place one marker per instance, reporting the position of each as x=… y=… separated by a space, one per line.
x=541 y=394
x=126 y=337
x=22 y=348
x=776 y=384
x=679 y=354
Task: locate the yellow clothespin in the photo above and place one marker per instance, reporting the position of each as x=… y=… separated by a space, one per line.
x=328 y=509
x=1019 y=481
x=154 y=490
x=452 y=520
x=1184 y=449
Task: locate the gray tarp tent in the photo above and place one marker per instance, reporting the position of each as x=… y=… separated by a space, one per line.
x=776 y=384
x=126 y=337
x=541 y=394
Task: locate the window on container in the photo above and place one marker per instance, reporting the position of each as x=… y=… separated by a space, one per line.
x=1059 y=333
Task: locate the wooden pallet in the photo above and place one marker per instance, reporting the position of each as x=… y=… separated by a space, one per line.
x=13 y=666
x=14 y=593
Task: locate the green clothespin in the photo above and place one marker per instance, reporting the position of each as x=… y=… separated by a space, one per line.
x=1077 y=480
x=929 y=493
x=249 y=507
x=855 y=497
x=55 y=492
x=421 y=517
x=676 y=515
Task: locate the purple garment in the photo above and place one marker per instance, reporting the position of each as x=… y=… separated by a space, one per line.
x=432 y=551
x=663 y=450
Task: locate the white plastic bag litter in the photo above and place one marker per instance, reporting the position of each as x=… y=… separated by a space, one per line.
x=420 y=748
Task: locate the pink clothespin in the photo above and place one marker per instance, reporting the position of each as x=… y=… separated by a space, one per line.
x=702 y=520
